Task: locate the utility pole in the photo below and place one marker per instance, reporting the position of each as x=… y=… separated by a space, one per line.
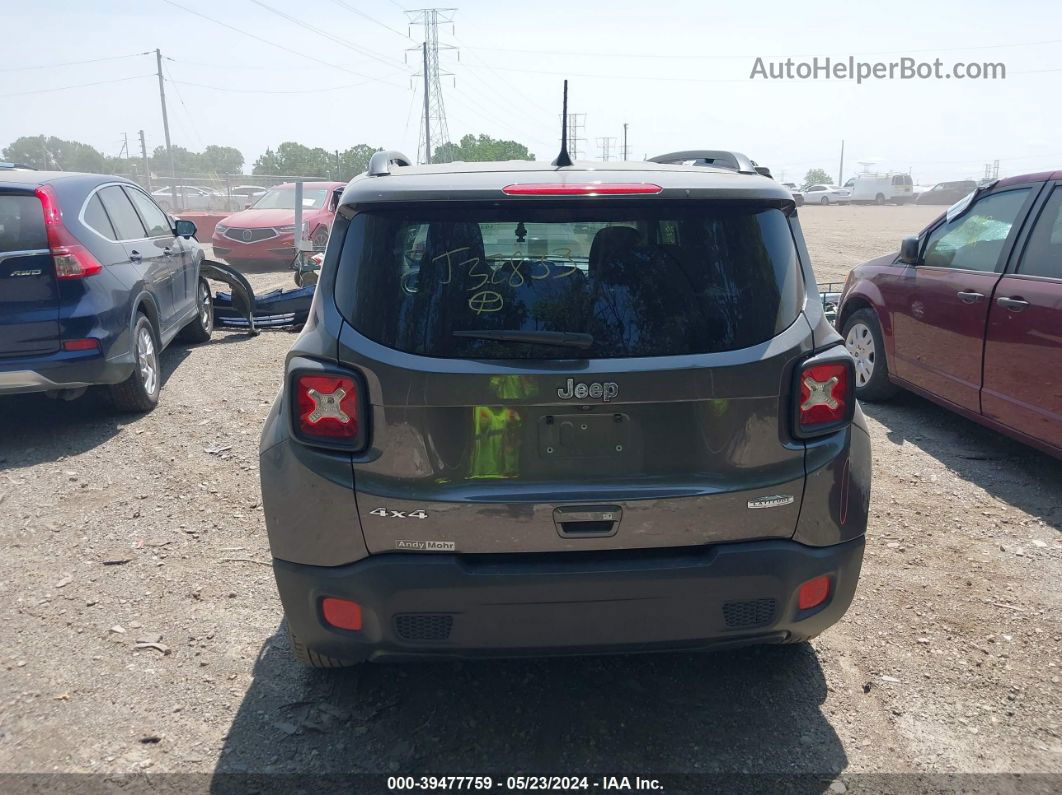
x=166 y=124
x=626 y=150
x=147 y=167
x=840 y=171
x=427 y=107
x=434 y=111
x=605 y=145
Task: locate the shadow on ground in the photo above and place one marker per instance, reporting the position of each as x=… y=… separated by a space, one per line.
x=753 y=710
x=1008 y=470
x=35 y=428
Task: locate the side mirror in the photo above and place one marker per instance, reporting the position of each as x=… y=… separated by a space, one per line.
x=333 y=201
x=909 y=251
x=184 y=228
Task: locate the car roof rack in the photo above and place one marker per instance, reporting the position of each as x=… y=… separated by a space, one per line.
x=380 y=162
x=6 y=164
x=720 y=158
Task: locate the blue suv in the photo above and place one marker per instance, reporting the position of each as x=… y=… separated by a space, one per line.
x=95 y=280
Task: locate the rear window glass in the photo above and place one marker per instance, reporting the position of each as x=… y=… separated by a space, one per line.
x=21 y=224
x=668 y=279
x=123 y=217
x=96 y=217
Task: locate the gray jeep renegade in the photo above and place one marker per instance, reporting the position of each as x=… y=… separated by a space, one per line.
x=563 y=409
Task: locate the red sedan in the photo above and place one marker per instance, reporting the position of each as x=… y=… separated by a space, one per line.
x=969 y=313
x=265 y=232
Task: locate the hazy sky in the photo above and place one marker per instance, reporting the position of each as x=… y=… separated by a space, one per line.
x=677 y=72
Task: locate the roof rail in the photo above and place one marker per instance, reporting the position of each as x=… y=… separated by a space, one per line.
x=380 y=162
x=5 y=164
x=734 y=161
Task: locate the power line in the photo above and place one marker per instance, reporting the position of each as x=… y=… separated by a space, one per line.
x=71 y=63
x=77 y=85
x=375 y=21
x=268 y=90
x=330 y=36
x=275 y=44
x=479 y=110
x=508 y=87
x=701 y=56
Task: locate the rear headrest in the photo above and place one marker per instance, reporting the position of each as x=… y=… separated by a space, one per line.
x=612 y=240
x=448 y=236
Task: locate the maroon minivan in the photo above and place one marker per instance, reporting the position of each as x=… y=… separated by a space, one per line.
x=969 y=313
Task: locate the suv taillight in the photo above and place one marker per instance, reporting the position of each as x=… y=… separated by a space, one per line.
x=328 y=409
x=72 y=260
x=825 y=396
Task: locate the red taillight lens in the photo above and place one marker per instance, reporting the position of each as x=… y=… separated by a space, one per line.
x=327 y=406
x=341 y=613
x=825 y=399
x=81 y=345
x=580 y=189
x=813 y=593
x=72 y=260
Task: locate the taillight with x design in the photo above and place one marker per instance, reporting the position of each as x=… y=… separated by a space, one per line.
x=825 y=399
x=327 y=406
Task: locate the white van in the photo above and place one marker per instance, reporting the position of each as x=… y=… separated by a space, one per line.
x=881 y=188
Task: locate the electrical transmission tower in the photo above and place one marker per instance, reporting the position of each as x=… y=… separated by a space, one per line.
x=605 y=147
x=576 y=122
x=433 y=129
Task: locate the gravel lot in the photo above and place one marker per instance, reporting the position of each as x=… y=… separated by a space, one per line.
x=142 y=629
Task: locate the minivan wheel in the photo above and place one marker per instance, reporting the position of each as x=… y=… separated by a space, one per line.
x=879 y=199
x=824 y=200
x=312 y=658
x=202 y=326
x=140 y=391
x=863 y=339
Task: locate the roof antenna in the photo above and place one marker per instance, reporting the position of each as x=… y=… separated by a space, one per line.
x=563 y=159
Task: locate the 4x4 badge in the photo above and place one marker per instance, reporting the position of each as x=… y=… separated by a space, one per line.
x=606 y=390
x=774 y=501
x=390 y=513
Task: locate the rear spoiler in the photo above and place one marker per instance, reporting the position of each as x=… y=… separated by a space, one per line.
x=720 y=158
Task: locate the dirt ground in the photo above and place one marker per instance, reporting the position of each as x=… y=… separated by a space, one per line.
x=142 y=630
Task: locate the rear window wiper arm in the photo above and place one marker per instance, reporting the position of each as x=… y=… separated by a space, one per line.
x=567 y=339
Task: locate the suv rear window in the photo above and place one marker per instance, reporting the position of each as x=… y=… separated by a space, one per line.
x=660 y=280
x=21 y=224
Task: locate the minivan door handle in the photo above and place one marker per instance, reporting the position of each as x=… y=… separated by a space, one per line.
x=135 y=256
x=969 y=296
x=1013 y=304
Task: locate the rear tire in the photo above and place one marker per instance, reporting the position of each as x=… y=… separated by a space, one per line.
x=824 y=200
x=139 y=393
x=864 y=340
x=312 y=658
x=202 y=326
x=879 y=199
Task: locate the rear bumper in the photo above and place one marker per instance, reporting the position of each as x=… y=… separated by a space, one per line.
x=425 y=605
x=60 y=370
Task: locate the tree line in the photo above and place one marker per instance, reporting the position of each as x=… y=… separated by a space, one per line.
x=290 y=158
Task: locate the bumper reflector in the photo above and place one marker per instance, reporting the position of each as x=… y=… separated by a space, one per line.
x=814 y=592
x=341 y=613
x=81 y=345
